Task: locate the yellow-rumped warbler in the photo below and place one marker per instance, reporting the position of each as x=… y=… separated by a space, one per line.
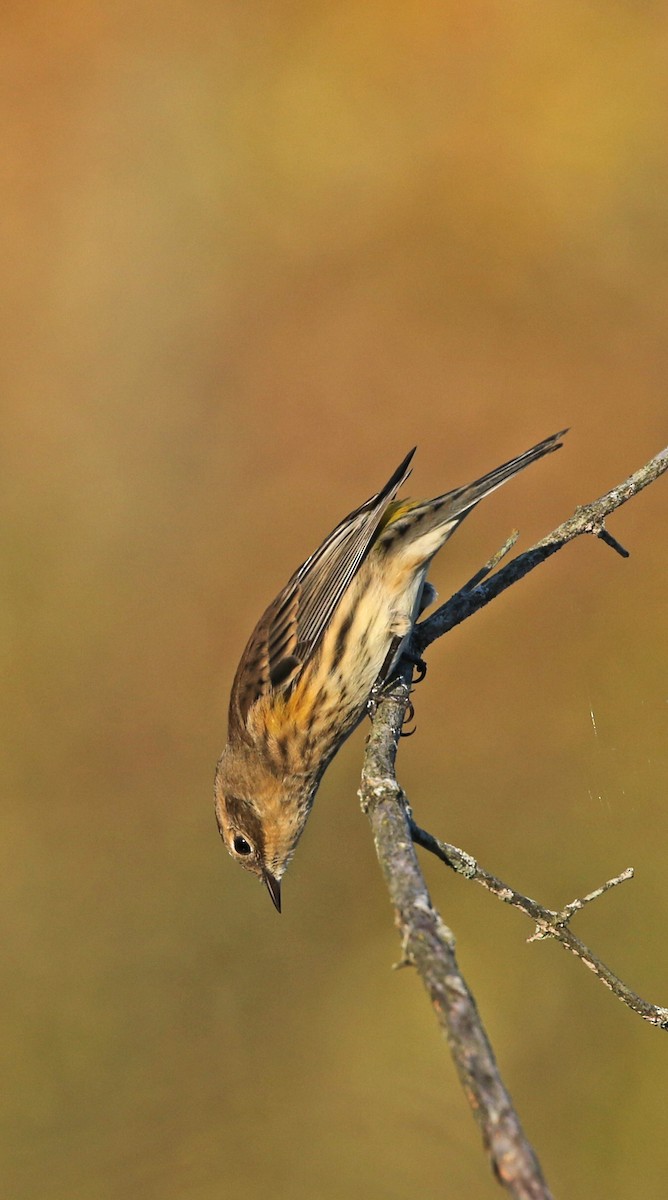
x=335 y=630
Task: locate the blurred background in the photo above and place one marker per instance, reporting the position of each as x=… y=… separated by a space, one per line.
x=252 y=253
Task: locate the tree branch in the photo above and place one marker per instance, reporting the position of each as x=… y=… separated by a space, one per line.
x=427 y=942
x=589 y=518
x=549 y=924
x=429 y=945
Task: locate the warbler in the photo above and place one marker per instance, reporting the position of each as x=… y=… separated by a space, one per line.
x=335 y=632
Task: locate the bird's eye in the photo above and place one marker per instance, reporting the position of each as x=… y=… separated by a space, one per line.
x=242 y=846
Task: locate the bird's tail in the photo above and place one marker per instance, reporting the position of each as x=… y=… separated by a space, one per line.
x=447 y=511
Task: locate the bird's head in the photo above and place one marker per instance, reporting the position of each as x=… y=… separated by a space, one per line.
x=260 y=814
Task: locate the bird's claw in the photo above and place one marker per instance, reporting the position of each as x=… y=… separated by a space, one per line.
x=408 y=716
x=420 y=668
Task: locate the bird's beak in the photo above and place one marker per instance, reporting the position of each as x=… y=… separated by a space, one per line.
x=274 y=889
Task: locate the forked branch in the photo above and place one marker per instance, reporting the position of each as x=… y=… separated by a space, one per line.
x=588 y=518
x=427 y=942
x=549 y=924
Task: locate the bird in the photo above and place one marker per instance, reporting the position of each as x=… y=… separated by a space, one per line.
x=334 y=635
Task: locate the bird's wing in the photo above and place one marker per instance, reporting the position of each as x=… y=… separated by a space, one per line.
x=290 y=631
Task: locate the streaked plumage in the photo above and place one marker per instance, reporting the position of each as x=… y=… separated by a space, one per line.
x=313 y=658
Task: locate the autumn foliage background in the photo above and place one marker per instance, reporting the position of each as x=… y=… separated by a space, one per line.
x=253 y=252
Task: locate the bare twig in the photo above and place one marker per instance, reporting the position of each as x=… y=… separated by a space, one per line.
x=427 y=942
x=577 y=905
x=492 y=563
x=549 y=924
x=589 y=518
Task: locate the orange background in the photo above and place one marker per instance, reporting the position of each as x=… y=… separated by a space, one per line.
x=252 y=253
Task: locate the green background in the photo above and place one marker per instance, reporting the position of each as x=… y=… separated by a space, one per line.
x=252 y=252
